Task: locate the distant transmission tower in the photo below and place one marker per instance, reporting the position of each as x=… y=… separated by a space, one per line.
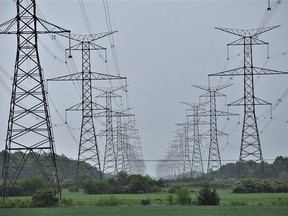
x=214 y=159
x=196 y=159
x=29 y=126
x=184 y=149
x=88 y=147
x=250 y=142
x=111 y=151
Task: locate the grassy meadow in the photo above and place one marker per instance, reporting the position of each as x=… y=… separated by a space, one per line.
x=264 y=204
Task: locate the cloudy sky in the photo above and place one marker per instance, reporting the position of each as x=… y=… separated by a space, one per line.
x=163 y=47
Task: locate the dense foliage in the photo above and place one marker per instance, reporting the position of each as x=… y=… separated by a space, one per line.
x=27 y=186
x=183 y=196
x=276 y=170
x=259 y=186
x=44 y=198
x=122 y=184
x=207 y=196
x=66 y=166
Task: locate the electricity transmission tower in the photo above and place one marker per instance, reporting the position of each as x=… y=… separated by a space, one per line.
x=29 y=131
x=110 y=152
x=88 y=147
x=250 y=149
x=214 y=159
x=196 y=159
x=184 y=149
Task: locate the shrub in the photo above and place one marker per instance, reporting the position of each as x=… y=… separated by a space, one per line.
x=183 y=196
x=170 y=199
x=44 y=198
x=95 y=187
x=174 y=188
x=259 y=186
x=145 y=202
x=107 y=201
x=207 y=196
x=280 y=201
x=15 y=203
x=67 y=202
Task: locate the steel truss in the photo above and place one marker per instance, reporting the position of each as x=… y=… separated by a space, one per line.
x=29 y=133
x=214 y=159
x=250 y=149
x=88 y=147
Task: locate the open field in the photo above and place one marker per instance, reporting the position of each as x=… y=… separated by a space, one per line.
x=226 y=197
x=152 y=210
x=264 y=204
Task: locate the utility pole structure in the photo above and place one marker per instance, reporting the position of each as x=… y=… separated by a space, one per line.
x=197 y=161
x=88 y=147
x=184 y=147
x=29 y=131
x=214 y=159
x=250 y=149
x=172 y=160
x=110 y=154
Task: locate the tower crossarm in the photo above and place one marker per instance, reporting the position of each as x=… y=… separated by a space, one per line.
x=213 y=88
x=247 y=33
x=87 y=38
x=47 y=27
x=232 y=72
x=218 y=132
x=217 y=113
x=264 y=71
x=79 y=107
x=110 y=89
x=94 y=76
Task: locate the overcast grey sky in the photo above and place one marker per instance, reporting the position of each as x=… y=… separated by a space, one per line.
x=163 y=47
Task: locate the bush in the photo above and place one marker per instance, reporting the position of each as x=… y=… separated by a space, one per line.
x=183 y=196
x=259 y=186
x=15 y=203
x=107 y=201
x=44 y=198
x=145 y=202
x=67 y=202
x=170 y=199
x=95 y=187
x=207 y=196
x=174 y=188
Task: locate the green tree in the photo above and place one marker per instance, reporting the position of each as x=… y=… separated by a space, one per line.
x=207 y=196
x=44 y=198
x=183 y=196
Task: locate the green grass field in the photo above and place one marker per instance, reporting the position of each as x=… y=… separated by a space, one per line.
x=152 y=210
x=260 y=204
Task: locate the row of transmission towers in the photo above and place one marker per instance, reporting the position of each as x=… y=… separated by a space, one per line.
x=184 y=154
x=29 y=133
x=185 y=151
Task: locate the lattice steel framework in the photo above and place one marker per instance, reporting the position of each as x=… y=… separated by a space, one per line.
x=196 y=159
x=184 y=141
x=250 y=149
x=88 y=147
x=214 y=159
x=110 y=164
x=29 y=131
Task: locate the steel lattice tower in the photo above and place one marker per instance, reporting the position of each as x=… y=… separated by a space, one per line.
x=29 y=131
x=214 y=159
x=88 y=147
x=250 y=149
x=110 y=164
x=196 y=162
x=123 y=156
x=184 y=148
